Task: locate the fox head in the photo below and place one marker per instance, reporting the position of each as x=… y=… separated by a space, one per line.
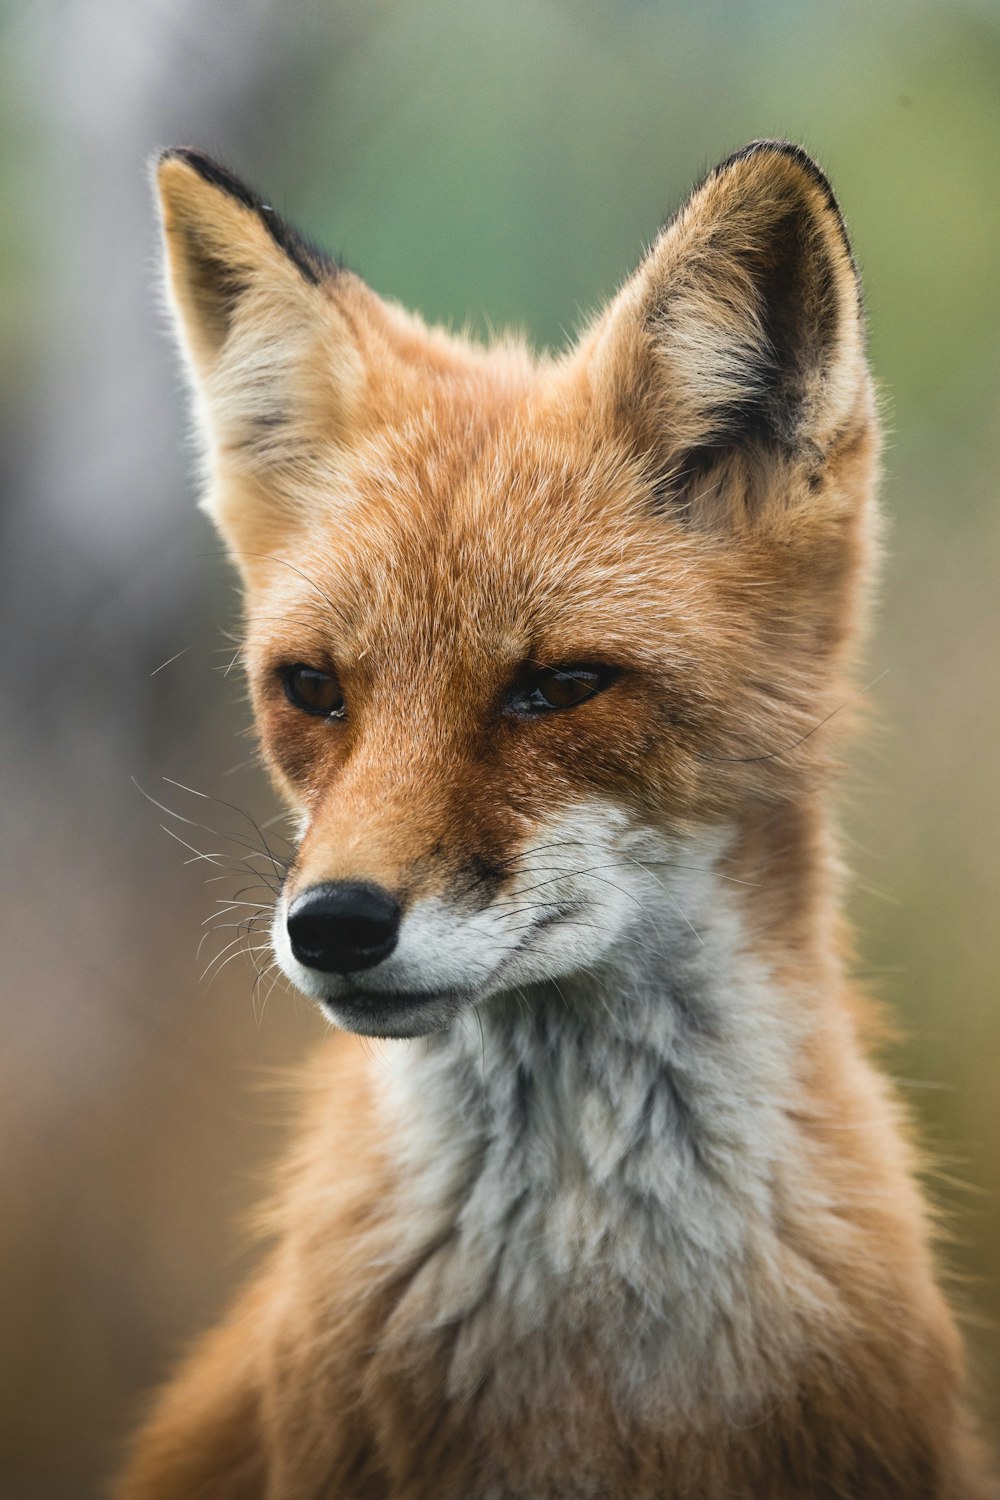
x=518 y=628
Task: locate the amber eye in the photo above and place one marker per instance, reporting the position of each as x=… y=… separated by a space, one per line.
x=542 y=690
x=313 y=691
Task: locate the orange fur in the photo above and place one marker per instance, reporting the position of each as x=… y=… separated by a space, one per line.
x=686 y=495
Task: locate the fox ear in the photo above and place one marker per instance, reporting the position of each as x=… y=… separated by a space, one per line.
x=257 y=310
x=738 y=345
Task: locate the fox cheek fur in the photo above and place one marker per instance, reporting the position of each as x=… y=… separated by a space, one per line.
x=552 y=656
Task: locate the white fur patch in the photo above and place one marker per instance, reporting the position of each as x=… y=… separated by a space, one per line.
x=572 y=892
x=602 y=1145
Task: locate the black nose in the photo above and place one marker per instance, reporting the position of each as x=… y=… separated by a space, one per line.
x=343 y=926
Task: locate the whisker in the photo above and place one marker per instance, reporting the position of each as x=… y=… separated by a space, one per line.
x=590 y=927
x=683 y=915
x=593 y=872
x=673 y=864
x=222 y=802
x=257 y=885
x=243 y=765
x=176 y=657
x=749 y=760
x=241 y=951
x=232 y=904
x=261 y=976
x=244 y=928
x=235 y=838
x=283 y=562
x=214 y=859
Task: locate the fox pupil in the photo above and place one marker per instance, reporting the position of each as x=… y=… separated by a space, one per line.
x=313 y=691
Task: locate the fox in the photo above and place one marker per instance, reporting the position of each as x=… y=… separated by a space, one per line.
x=599 y=1191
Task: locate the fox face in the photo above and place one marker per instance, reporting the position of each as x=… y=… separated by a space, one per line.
x=527 y=635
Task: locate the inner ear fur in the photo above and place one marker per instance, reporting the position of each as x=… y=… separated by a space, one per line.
x=737 y=349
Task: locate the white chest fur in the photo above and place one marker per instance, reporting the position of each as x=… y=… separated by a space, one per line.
x=605 y=1150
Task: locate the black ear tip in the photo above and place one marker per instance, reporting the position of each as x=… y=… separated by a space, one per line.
x=202 y=163
x=182 y=153
x=312 y=262
x=776 y=146
x=213 y=172
x=807 y=164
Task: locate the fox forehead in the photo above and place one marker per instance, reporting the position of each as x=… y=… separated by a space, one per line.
x=526 y=535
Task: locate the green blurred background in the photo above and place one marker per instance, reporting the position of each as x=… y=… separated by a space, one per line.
x=486 y=164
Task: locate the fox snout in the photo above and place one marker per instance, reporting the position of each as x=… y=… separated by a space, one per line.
x=343 y=926
x=401 y=950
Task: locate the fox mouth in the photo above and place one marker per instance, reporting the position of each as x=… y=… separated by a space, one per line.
x=369 y=1003
x=396 y=1014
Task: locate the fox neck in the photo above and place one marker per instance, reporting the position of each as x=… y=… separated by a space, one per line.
x=616 y=1142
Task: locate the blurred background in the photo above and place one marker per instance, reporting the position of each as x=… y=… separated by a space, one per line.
x=485 y=164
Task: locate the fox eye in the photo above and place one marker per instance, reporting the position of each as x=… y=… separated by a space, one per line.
x=313 y=691
x=544 y=690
